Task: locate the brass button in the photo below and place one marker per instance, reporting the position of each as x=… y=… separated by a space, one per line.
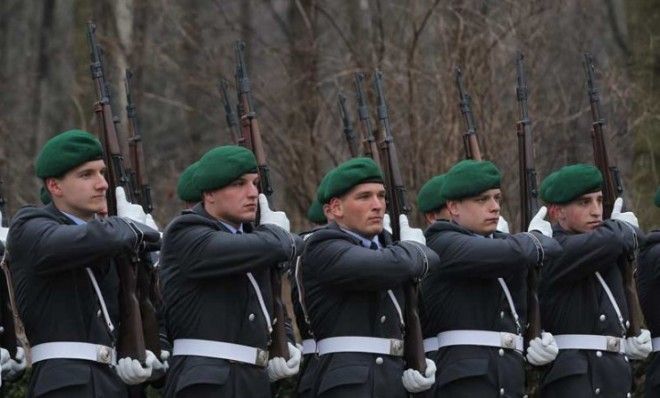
x=382 y=319
x=501 y=352
x=602 y=317
x=599 y=354
x=379 y=361
x=597 y=391
x=251 y=317
x=501 y=392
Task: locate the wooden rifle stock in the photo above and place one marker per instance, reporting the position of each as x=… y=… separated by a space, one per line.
x=397 y=204
x=612 y=188
x=131 y=338
x=252 y=140
x=528 y=195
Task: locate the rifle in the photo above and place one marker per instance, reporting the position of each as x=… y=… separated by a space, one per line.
x=351 y=139
x=230 y=116
x=131 y=338
x=397 y=205
x=147 y=278
x=612 y=188
x=369 y=145
x=528 y=194
x=252 y=140
x=470 y=141
x=7 y=327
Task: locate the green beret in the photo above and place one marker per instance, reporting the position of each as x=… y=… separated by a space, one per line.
x=184 y=187
x=66 y=151
x=469 y=178
x=222 y=165
x=315 y=213
x=429 y=198
x=571 y=182
x=657 y=197
x=44 y=196
x=347 y=175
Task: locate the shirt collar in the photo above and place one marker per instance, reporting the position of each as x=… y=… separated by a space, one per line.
x=76 y=220
x=231 y=228
x=363 y=241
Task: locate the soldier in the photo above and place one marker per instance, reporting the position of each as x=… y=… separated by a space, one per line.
x=429 y=201
x=66 y=285
x=353 y=275
x=475 y=303
x=582 y=294
x=12 y=368
x=648 y=285
x=185 y=189
x=215 y=269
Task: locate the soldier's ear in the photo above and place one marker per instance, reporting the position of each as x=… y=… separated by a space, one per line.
x=53 y=186
x=453 y=207
x=336 y=207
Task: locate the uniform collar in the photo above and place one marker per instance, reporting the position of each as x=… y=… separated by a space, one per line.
x=76 y=220
x=231 y=228
x=363 y=241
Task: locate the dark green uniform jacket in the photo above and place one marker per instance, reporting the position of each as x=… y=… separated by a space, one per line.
x=207 y=295
x=48 y=255
x=574 y=302
x=464 y=294
x=648 y=285
x=346 y=294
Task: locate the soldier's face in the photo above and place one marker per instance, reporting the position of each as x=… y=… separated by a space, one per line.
x=361 y=209
x=581 y=215
x=81 y=191
x=478 y=214
x=235 y=203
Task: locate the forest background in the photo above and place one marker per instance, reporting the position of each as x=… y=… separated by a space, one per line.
x=301 y=53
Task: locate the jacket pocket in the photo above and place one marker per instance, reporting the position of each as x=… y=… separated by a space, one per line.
x=566 y=365
x=342 y=376
x=57 y=374
x=460 y=369
x=203 y=371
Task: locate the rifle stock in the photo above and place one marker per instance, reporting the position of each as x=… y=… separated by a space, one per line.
x=252 y=140
x=131 y=338
x=612 y=188
x=397 y=205
x=528 y=195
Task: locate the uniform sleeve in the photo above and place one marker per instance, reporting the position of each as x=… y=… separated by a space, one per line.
x=469 y=256
x=339 y=262
x=586 y=253
x=55 y=247
x=204 y=252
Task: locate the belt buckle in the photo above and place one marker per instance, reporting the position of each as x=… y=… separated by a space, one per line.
x=396 y=347
x=262 y=358
x=508 y=340
x=613 y=344
x=104 y=354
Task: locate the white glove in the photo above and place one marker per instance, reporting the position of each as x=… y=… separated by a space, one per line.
x=410 y=234
x=538 y=223
x=542 y=350
x=160 y=367
x=149 y=222
x=414 y=382
x=628 y=216
x=13 y=369
x=387 y=223
x=502 y=225
x=4 y=359
x=268 y=216
x=639 y=347
x=131 y=372
x=278 y=368
x=128 y=209
x=3 y=231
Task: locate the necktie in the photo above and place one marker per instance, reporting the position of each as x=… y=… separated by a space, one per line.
x=373 y=246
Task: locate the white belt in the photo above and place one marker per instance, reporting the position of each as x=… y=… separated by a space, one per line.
x=371 y=345
x=590 y=342
x=74 y=350
x=656 y=344
x=431 y=344
x=221 y=350
x=480 y=338
x=309 y=346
